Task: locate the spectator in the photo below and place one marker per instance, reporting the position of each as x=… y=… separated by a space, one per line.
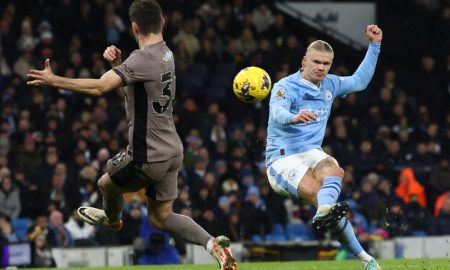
x=262 y=18
x=254 y=216
x=9 y=198
x=417 y=216
x=42 y=254
x=440 y=177
x=133 y=218
x=408 y=185
x=395 y=223
x=28 y=157
x=63 y=238
x=40 y=226
x=7 y=231
x=440 y=201
x=441 y=225
x=83 y=234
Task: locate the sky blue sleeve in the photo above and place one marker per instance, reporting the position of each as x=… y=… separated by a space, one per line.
x=362 y=76
x=280 y=104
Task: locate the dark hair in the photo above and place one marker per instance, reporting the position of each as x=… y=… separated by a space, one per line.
x=147 y=15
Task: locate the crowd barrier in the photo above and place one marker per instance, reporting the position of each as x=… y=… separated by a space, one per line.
x=406 y=247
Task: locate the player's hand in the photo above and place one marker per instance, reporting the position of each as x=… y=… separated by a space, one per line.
x=41 y=77
x=374 y=33
x=304 y=117
x=113 y=55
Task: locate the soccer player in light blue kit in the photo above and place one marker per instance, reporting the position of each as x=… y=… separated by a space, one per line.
x=300 y=105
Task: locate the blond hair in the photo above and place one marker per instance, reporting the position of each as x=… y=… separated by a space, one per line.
x=318 y=45
x=321 y=46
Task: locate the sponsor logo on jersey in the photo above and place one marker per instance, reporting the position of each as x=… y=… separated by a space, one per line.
x=127 y=69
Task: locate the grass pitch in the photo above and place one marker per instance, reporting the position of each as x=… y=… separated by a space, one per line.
x=400 y=264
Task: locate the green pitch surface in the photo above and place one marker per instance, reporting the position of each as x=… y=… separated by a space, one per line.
x=418 y=264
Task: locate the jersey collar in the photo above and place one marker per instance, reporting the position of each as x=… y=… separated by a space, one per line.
x=310 y=84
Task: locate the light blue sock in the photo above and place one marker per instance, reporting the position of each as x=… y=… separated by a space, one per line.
x=330 y=190
x=344 y=233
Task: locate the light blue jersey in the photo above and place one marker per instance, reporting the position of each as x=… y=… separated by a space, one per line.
x=293 y=94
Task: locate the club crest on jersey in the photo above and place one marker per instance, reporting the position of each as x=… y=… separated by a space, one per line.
x=292 y=174
x=280 y=94
x=328 y=94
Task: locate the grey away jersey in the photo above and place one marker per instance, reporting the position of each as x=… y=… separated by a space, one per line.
x=149 y=74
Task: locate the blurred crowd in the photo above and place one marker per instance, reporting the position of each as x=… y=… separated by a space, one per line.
x=393 y=139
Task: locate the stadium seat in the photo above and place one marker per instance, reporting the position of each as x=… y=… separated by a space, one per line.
x=278 y=229
x=419 y=233
x=20 y=226
x=298 y=231
x=278 y=233
x=275 y=237
x=256 y=238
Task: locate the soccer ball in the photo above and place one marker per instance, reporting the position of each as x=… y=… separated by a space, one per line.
x=252 y=84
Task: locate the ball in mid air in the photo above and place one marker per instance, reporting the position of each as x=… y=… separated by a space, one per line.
x=252 y=84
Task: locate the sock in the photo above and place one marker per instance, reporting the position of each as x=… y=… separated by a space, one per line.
x=330 y=190
x=364 y=257
x=186 y=228
x=113 y=206
x=210 y=245
x=344 y=233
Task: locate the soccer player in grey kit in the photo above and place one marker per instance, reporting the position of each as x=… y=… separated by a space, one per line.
x=155 y=151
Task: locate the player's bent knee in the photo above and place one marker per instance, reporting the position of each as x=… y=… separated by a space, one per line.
x=157 y=220
x=332 y=170
x=339 y=172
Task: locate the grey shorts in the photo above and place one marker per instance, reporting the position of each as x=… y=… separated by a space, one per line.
x=158 y=178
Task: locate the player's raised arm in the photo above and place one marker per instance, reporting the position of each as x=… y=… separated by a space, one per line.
x=113 y=55
x=374 y=33
x=362 y=76
x=96 y=87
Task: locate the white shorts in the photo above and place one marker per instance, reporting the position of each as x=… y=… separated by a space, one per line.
x=285 y=174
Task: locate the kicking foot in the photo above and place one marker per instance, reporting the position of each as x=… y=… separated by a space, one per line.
x=222 y=253
x=372 y=265
x=329 y=213
x=95 y=216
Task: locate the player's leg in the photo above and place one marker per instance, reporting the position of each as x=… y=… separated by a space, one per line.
x=291 y=177
x=121 y=177
x=184 y=227
x=295 y=171
x=112 y=206
x=328 y=172
x=160 y=196
x=342 y=231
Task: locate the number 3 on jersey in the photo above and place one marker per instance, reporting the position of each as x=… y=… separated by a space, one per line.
x=166 y=77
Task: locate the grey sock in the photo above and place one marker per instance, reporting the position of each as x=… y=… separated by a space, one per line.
x=113 y=206
x=186 y=228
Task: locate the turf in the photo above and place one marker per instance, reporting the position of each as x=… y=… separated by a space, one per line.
x=418 y=264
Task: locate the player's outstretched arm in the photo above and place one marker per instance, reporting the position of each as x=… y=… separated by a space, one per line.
x=97 y=87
